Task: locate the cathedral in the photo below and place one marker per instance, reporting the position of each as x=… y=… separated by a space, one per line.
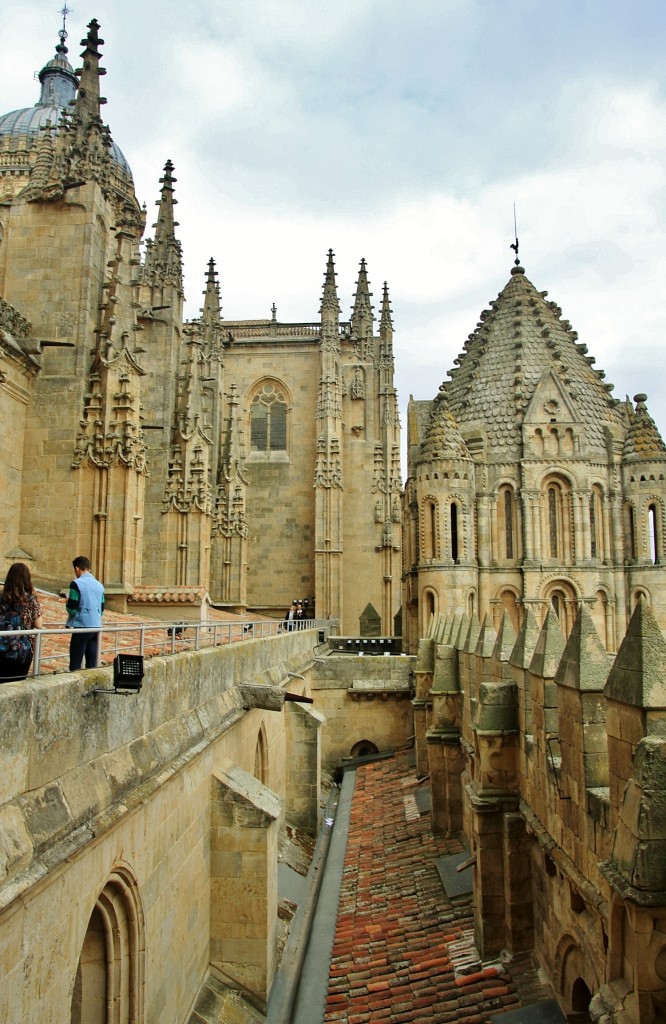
x=243 y=464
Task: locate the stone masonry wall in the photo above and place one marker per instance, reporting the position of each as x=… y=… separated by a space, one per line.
x=92 y=784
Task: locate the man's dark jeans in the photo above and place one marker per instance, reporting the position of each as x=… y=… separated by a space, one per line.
x=80 y=645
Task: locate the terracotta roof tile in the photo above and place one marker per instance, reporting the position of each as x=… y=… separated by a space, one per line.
x=391 y=959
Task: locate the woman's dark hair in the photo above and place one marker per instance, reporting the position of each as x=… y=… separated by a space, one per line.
x=18 y=585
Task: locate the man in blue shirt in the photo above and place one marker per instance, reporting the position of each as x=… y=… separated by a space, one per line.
x=85 y=605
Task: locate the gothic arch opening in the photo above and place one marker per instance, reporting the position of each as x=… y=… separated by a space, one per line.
x=580 y=1000
x=261 y=756
x=108 y=985
x=508 y=533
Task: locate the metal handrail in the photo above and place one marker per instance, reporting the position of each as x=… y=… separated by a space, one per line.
x=167 y=638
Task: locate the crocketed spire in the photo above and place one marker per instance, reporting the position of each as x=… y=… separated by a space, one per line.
x=212 y=310
x=362 y=317
x=330 y=305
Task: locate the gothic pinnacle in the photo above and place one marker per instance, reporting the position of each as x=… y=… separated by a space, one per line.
x=330 y=306
x=362 y=318
x=211 y=308
x=385 y=322
x=88 y=99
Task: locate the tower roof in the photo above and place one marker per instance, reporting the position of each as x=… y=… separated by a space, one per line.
x=519 y=342
x=443 y=439
x=643 y=442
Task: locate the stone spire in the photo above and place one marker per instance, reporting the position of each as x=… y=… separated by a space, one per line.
x=385 y=321
x=643 y=442
x=88 y=98
x=330 y=305
x=212 y=309
x=362 y=317
x=163 y=264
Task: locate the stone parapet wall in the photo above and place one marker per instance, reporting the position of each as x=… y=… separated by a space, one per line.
x=96 y=787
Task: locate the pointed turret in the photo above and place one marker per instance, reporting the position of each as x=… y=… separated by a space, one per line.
x=643 y=442
x=443 y=440
x=362 y=317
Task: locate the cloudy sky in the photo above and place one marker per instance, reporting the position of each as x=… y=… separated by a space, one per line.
x=403 y=133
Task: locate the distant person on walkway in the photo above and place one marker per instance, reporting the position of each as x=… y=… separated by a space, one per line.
x=289 y=619
x=299 y=616
x=19 y=609
x=85 y=605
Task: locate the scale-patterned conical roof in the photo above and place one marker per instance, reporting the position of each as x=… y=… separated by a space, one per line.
x=643 y=441
x=519 y=341
x=443 y=440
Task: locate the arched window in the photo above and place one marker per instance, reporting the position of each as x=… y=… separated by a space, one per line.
x=631 y=533
x=654 y=533
x=509 y=604
x=268 y=419
x=108 y=986
x=596 y=523
x=429 y=610
x=454 y=532
x=554 y=521
x=507 y=523
x=557 y=542
x=430 y=529
x=564 y=600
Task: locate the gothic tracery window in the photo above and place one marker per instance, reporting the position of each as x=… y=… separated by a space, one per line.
x=268 y=419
